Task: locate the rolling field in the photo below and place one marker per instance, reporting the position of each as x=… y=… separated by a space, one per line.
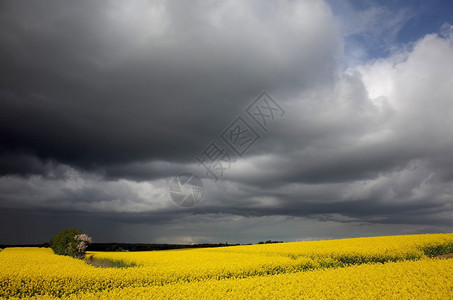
x=398 y=267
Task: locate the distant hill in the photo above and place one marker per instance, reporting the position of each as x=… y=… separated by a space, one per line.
x=141 y=246
x=131 y=247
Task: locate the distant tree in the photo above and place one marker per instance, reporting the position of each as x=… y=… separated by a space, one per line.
x=114 y=247
x=270 y=242
x=70 y=242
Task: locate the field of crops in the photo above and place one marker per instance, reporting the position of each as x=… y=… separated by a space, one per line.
x=380 y=267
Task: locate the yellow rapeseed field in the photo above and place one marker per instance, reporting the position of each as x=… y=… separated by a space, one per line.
x=397 y=267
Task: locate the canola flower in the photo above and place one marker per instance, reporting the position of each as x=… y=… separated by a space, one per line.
x=424 y=279
x=302 y=269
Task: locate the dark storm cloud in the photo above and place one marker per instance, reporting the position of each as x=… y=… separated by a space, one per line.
x=89 y=85
x=103 y=102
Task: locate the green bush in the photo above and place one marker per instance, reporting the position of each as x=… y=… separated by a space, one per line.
x=70 y=242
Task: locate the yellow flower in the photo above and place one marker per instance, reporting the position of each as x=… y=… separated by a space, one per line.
x=378 y=267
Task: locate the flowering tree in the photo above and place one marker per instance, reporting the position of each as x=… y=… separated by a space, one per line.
x=82 y=242
x=70 y=242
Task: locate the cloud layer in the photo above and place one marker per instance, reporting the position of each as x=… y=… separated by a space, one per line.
x=105 y=102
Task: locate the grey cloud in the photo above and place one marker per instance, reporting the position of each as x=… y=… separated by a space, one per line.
x=107 y=101
x=83 y=90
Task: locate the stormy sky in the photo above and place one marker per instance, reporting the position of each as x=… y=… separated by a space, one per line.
x=303 y=119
